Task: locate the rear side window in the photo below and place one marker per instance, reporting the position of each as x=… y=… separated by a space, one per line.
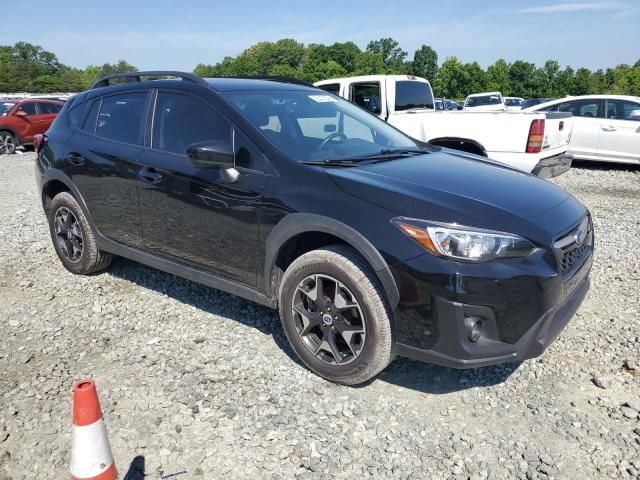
x=581 y=108
x=413 y=95
x=28 y=108
x=120 y=117
x=367 y=95
x=181 y=120
x=331 y=88
x=48 y=108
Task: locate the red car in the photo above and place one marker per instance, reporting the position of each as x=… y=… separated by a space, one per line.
x=21 y=121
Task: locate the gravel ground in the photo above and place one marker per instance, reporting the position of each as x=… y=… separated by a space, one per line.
x=201 y=384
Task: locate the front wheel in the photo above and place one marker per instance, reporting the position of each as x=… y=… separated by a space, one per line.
x=335 y=315
x=7 y=143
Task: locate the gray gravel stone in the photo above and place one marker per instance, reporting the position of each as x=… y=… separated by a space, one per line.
x=200 y=381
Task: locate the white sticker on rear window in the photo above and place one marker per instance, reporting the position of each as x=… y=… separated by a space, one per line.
x=322 y=98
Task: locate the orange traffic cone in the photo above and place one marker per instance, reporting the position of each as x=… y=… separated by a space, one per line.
x=91 y=456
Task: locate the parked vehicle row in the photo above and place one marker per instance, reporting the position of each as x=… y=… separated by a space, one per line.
x=370 y=243
x=605 y=127
x=533 y=142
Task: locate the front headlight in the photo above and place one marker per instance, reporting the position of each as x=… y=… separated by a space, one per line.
x=464 y=243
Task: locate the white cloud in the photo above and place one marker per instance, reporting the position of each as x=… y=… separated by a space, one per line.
x=577 y=7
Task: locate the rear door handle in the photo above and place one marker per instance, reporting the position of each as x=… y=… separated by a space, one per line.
x=149 y=175
x=75 y=159
x=609 y=128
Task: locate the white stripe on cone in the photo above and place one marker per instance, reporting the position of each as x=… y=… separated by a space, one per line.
x=91 y=452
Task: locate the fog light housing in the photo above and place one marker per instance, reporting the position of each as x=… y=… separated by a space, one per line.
x=475 y=327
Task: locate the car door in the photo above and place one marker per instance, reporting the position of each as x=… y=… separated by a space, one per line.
x=194 y=215
x=588 y=114
x=47 y=112
x=102 y=162
x=620 y=131
x=26 y=121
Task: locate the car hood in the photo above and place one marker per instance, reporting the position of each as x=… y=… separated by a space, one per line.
x=455 y=187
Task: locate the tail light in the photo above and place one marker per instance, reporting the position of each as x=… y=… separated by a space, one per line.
x=38 y=141
x=536 y=136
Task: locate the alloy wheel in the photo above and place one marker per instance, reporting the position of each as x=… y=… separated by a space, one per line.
x=328 y=319
x=68 y=234
x=7 y=143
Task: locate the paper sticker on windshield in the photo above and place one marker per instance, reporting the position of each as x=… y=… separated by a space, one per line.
x=322 y=98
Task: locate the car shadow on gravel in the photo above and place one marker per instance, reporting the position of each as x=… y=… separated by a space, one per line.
x=403 y=372
x=434 y=379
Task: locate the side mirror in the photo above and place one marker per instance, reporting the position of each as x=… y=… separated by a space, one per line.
x=21 y=113
x=211 y=154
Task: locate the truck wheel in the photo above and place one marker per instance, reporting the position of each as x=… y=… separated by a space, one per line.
x=73 y=237
x=335 y=315
x=7 y=143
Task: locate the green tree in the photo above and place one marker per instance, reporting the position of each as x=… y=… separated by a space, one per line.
x=521 y=79
x=425 y=63
x=581 y=82
x=392 y=55
x=451 y=81
x=498 y=77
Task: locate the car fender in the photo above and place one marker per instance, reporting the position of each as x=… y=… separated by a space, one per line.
x=298 y=223
x=50 y=175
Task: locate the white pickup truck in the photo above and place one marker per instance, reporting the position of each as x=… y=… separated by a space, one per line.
x=535 y=143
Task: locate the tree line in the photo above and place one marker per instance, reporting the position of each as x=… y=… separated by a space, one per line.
x=29 y=68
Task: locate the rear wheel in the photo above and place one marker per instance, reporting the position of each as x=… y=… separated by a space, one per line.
x=335 y=315
x=7 y=143
x=73 y=237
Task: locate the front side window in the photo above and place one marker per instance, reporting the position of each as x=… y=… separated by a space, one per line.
x=316 y=126
x=120 y=117
x=48 y=108
x=623 y=110
x=581 y=108
x=367 y=95
x=28 y=108
x=412 y=94
x=181 y=120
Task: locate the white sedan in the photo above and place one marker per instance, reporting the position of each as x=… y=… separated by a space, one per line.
x=605 y=127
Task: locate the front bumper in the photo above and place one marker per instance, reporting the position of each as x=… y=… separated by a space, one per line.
x=553 y=166
x=522 y=306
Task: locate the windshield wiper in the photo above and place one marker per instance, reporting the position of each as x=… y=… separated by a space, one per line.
x=332 y=162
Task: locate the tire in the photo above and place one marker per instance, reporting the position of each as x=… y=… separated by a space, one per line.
x=7 y=143
x=357 y=357
x=77 y=250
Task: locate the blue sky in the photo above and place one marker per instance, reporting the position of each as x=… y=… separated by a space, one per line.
x=173 y=34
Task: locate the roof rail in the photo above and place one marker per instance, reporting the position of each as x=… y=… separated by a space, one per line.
x=133 y=77
x=292 y=80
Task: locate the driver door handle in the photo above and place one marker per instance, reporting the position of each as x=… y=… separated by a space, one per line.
x=609 y=128
x=149 y=175
x=75 y=159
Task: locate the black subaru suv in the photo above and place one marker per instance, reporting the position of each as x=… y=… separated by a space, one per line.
x=370 y=244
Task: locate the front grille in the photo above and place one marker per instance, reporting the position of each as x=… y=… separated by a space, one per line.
x=573 y=248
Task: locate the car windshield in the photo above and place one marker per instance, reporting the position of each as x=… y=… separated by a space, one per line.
x=315 y=126
x=5 y=108
x=483 y=100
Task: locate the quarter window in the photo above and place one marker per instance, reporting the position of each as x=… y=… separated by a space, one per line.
x=181 y=120
x=367 y=95
x=28 y=108
x=120 y=117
